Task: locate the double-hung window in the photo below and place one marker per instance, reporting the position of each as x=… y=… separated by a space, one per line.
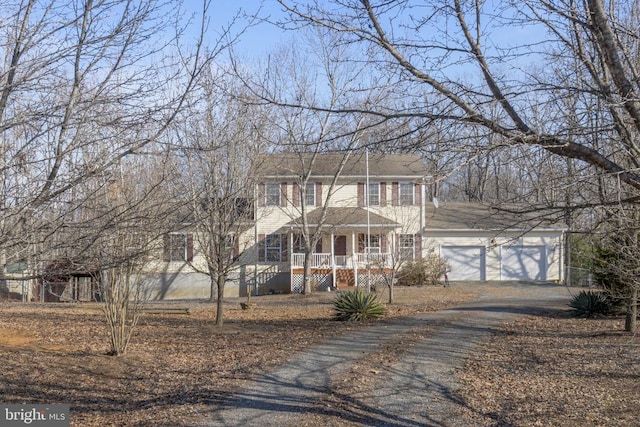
x=406 y=193
x=310 y=194
x=370 y=243
x=273 y=247
x=178 y=247
x=374 y=194
x=272 y=194
x=406 y=243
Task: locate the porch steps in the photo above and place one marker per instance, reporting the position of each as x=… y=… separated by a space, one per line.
x=345 y=279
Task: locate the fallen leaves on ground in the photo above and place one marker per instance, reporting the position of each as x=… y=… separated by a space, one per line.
x=544 y=370
x=177 y=366
x=555 y=370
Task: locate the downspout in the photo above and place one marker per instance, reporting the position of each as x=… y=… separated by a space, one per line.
x=255 y=241
x=564 y=258
x=368 y=249
x=422 y=215
x=290 y=249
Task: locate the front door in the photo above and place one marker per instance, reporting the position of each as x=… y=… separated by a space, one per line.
x=340 y=245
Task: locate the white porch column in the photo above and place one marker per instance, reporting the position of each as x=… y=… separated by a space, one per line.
x=290 y=259
x=354 y=260
x=333 y=260
x=393 y=251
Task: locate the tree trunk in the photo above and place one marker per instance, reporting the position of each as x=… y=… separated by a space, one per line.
x=391 y=292
x=222 y=278
x=632 y=311
x=212 y=294
x=307 y=274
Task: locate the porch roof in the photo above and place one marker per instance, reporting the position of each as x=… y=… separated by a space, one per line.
x=345 y=217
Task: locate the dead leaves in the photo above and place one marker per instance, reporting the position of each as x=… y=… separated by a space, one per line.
x=554 y=371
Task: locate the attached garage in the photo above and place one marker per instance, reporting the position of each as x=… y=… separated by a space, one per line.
x=523 y=263
x=485 y=243
x=465 y=262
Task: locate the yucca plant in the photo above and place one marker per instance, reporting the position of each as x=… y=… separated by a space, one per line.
x=357 y=305
x=591 y=304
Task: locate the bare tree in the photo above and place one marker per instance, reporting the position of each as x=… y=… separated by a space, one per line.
x=123 y=288
x=219 y=140
x=307 y=72
x=416 y=43
x=118 y=234
x=406 y=247
x=620 y=242
x=83 y=86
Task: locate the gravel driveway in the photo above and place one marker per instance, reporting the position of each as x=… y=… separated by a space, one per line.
x=419 y=389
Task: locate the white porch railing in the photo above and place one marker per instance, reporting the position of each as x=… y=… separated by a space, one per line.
x=377 y=260
x=374 y=259
x=317 y=260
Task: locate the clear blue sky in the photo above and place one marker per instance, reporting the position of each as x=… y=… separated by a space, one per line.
x=257 y=40
x=263 y=38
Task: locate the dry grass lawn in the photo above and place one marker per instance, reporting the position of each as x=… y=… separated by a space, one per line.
x=177 y=365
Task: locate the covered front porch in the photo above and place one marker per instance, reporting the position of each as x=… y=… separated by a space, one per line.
x=354 y=250
x=340 y=271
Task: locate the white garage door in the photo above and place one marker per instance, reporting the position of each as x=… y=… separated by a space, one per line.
x=466 y=262
x=524 y=263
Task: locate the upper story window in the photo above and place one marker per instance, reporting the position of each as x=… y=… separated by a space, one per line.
x=272 y=194
x=406 y=194
x=374 y=194
x=310 y=194
x=229 y=241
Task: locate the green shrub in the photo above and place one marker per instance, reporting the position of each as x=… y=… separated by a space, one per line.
x=591 y=304
x=426 y=271
x=357 y=305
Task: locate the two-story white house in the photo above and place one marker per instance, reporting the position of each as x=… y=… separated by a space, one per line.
x=373 y=216
x=370 y=209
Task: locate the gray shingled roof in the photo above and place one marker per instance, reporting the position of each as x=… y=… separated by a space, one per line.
x=352 y=217
x=326 y=164
x=476 y=216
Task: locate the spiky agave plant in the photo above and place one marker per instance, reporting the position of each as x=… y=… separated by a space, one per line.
x=357 y=305
x=591 y=303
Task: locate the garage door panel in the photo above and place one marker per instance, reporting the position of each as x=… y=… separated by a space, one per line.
x=465 y=262
x=524 y=263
